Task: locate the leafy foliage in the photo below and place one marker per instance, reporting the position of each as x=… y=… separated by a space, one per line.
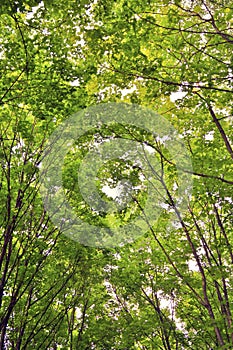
x=172 y=288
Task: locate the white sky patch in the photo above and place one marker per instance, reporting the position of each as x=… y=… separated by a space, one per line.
x=113 y=88
x=113 y=192
x=19 y=145
x=81 y=42
x=164 y=205
x=78 y=313
x=141 y=177
x=201 y=223
x=192 y=265
x=169 y=303
x=209 y=136
x=229 y=199
x=176 y=224
x=177 y=95
x=117 y=256
x=45 y=31
x=149 y=149
x=163 y=138
x=117 y=193
x=203 y=38
x=126 y=91
x=109 y=268
x=75 y=82
x=30 y=15
x=2 y=52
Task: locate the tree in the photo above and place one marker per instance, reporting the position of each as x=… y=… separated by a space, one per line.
x=170 y=289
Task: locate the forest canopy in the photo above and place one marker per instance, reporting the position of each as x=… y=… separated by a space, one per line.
x=171 y=286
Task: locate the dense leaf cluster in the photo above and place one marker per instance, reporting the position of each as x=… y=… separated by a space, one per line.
x=172 y=288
